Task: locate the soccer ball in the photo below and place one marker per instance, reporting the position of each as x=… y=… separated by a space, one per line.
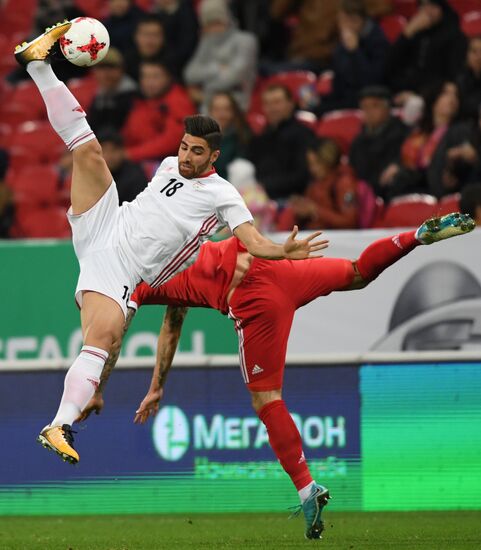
x=86 y=42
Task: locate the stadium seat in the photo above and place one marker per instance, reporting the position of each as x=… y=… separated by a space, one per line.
x=392 y=26
x=408 y=211
x=406 y=8
x=35 y=186
x=17 y=17
x=465 y=6
x=367 y=205
x=256 y=121
x=342 y=126
x=307 y=118
x=35 y=143
x=324 y=83
x=448 y=203
x=471 y=23
x=24 y=104
x=94 y=8
x=84 y=89
x=39 y=223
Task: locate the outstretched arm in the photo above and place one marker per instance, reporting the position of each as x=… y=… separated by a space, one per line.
x=292 y=249
x=166 y=347
x=96 y=404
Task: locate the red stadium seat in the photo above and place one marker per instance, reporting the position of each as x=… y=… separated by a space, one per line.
x=392 y=26
x=408 y=211
x=471 y=23
x=35 y=186
x=24 y=104
x=84 y=89
x=465 y=6
x=342 y=126
x=256 y=121
x=406 y=8
x=324 y=83
x=17 y=17
x=448 y=204
x=40 y=223
x=93 y=8
x=35 y=143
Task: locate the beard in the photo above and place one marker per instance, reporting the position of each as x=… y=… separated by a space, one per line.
x=189 y=171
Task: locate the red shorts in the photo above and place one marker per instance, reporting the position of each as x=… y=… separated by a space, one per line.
x=263 y=307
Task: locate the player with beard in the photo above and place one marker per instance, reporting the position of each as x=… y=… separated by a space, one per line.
x=149 y=239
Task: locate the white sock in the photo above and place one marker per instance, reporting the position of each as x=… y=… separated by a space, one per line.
x=305 y=492
x=80 y=384
x=64 y=112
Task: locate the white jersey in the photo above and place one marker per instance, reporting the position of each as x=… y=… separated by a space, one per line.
x=161 y=231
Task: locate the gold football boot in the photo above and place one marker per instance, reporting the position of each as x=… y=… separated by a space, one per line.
x=39 y=48
x=60 y=440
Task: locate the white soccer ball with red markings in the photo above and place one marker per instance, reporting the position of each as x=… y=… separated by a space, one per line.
x=86 y=42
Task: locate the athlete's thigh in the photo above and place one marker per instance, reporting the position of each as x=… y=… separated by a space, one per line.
x=102 y=320
x=91 y=176
x=306 y=280
x=263 y=322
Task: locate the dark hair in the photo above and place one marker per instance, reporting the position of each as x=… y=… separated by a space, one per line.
x=278 y=86
x=149 y=19
x=430 y=95
x=240 y=123
x=158 y=61
x=353 y=7
x=204 y=127
x=328 y=152
x=470 y=199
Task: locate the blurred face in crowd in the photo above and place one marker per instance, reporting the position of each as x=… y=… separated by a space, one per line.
x=113 y=154
x=375 y=110
x=447 y=104
x=221 y=110
x=108 y=77
x=167 y=4
x=474 y=55
x=119 y=8
x=154 y=80
x=352 y=22
x=316 y=167
x=277 y=106
x=149 y=38
x=195 y=156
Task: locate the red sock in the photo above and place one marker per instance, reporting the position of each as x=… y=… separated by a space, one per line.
x=286 y=441
x=382 y=253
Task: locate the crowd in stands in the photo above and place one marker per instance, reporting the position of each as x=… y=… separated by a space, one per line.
x=335 y=114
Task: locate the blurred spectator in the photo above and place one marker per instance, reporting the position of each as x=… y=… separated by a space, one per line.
x=469 y=81
x=129 y=176
x=358 y=59
x=279 y=152
x=469 y=152
x=314 y=35
x=425 y=164
x=470 y=202
x=122 y=22
x=225 y=59
x=150 y=44
x=431 y=47
x=378 y=144
x=330 y=200
x=181 y=30
x=241 y=173
x=6 y=198
x=155 y=124
x=115 y=95
x=236 y=133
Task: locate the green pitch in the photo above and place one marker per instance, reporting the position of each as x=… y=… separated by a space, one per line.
x=349 y=531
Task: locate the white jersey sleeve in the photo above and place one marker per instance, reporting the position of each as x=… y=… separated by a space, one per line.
x=231 y=210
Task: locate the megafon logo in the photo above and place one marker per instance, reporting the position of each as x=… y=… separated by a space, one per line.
x=174 y=434
x=171 y=433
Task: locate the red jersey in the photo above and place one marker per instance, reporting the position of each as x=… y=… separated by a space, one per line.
x=203 y=284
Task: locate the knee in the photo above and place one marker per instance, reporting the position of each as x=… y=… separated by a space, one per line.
x=88 y=154
x=260 y=399
x=103 y=337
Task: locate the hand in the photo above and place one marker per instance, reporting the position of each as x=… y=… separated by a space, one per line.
x=464 y=152
x=303 y=208
x=149 y=406
x=302 y=249
x=420 y=21
x=388 y=174
x=349 y=38
x=96 y=404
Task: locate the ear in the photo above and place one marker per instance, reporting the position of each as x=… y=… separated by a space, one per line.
x=214 y=156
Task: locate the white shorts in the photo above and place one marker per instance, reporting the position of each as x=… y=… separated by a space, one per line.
x=102 y=268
